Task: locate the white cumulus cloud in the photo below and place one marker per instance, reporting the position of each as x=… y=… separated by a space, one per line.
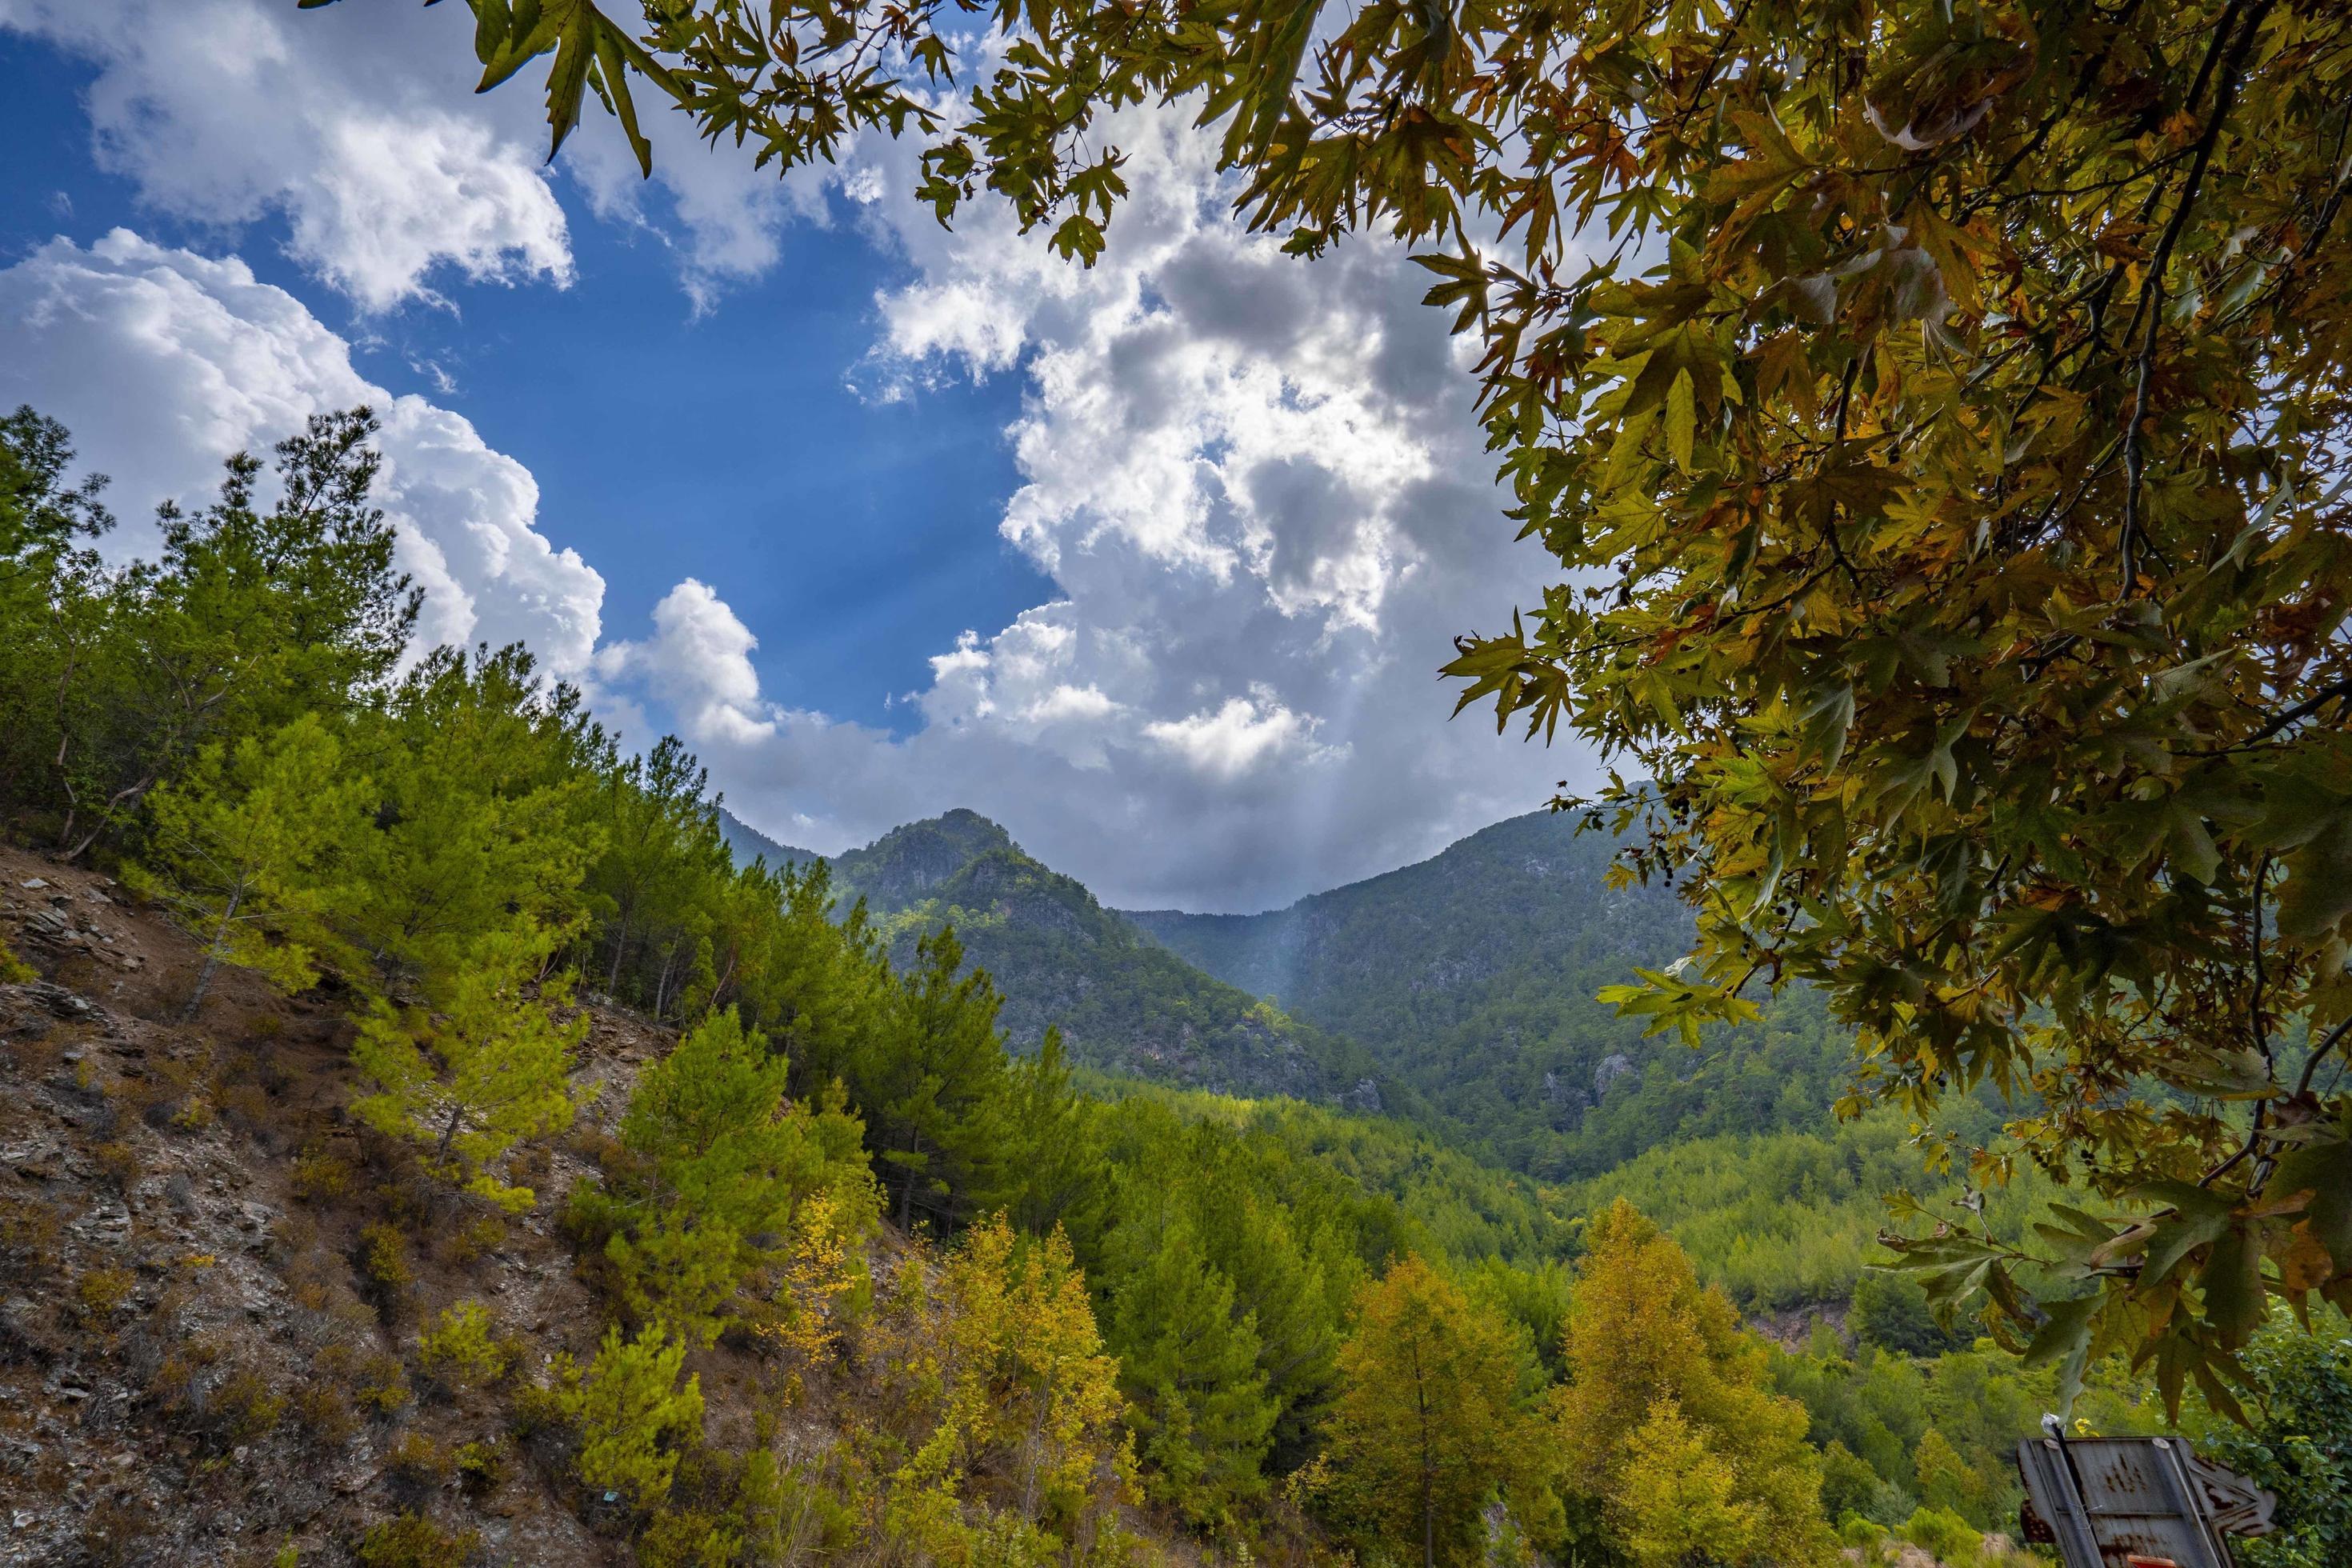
x=698 y=661
x=357 y=126
x=162 y=363
x=1261 y=492
x=1257 y=484
x=1241 y=735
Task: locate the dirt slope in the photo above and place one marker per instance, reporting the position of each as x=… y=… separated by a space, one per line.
x=201 y=1339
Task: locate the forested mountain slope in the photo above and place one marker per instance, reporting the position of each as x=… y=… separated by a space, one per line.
x=226 y=1306
x=747 y=844
x=1471 y=976
x=1123 y=1002
x=1459 y=992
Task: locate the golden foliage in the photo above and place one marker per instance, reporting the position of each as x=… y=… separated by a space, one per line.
x=821 y=1278
x=1427 y=1426
x=1667 y=1406
x=1009 y=1403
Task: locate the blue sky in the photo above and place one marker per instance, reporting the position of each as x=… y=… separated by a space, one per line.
x=859 y=537
x=1153 y=563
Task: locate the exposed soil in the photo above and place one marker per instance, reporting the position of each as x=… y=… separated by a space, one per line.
x=198 y=1363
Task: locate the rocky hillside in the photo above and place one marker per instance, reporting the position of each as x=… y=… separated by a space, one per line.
x=219 y=1294
x=207 y=1341
x=1123 y=1002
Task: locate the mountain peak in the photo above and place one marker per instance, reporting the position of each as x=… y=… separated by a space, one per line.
x=963 y=820
x=746 y=842
x=902 y=865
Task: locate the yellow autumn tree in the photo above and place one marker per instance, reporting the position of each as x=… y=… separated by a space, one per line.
x=1948 y=1481
x=1017 y=1451
x=1427 y=1428
x=1666 y=1416
x=823 y=1272
x=1676 y=1499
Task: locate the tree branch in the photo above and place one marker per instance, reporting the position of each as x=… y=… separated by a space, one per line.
x=2151 y=299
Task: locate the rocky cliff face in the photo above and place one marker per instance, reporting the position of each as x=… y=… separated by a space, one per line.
x=909 y=864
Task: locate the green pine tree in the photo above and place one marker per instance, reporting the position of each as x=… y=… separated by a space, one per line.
x=632 y=1414
x=481 y=1069
x=1189 y=1364
x=725 y=1161
x=1048 y=1167
x=934 y=1087
x=484 y=784
x=242 y=851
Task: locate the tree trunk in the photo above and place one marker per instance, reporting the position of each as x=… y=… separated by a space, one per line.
x=105 y=817
x=620 y=946
x=1428 y=1476
x=661 y=987
x=211 y=955
x=906 y=1193
x=456 y=1115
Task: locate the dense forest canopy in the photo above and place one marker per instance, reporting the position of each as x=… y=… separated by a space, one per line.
x=1937 y=413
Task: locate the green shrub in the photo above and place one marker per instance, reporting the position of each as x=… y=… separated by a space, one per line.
x=482 y=1467
x=242 y=1407
x=418 y=1460
x=1942 y=1534
x=102 y=1290
x=629 y=1411
x=1891 y=1505
x=322 y=1175
x=1861 y=1534
x=119 y=1163
x=375 y=1380
x=383 y=1258
x=324 y=1407
x=687 y=1539
x=383 y=1385
x=476 y=1238
x=462 y=1350
x=413 y=1540
x=2299 y=1447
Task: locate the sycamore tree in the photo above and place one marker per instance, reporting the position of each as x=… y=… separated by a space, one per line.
x=1936 y=410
